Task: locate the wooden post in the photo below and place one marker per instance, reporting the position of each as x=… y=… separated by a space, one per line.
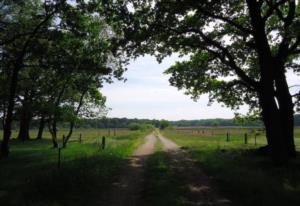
x=114 y=131
x=80 y=138
x=58 y=161
x=255 y=138
x=227 y=137
x=246 y=138
x=103 y=142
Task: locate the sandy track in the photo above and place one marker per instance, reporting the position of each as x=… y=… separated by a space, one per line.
x=127 y=189
x=197 y=185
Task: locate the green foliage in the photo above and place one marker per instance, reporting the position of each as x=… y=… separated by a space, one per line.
x=139 y=126
x=114 y=122
x=220 y=39
x=163 y=124
x=62 y=54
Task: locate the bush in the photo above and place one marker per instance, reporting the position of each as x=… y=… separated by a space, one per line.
x=139 y=126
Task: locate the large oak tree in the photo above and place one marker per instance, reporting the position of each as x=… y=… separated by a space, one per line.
x=239 y=52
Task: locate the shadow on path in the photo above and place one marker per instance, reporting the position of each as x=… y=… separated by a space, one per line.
x=196 y=186
x=127 y=189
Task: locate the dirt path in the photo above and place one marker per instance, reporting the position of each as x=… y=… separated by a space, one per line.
x=197 y=186
x=126 y=191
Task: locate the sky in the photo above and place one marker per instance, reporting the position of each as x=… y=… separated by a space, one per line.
x=148 y=94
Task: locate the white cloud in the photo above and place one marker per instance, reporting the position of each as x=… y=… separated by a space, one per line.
x=147 y=94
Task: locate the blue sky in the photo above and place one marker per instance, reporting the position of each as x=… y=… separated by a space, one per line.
x=147 y=94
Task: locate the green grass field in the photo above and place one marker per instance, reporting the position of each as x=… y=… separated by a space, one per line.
x=30 y=175
x=242 y=175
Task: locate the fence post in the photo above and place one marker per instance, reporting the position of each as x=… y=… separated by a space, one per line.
x=58 y=161
x=80 y=138
x=114 y=131
x=255 y=138
x=227 y=137
x=103 y=142
x=246 y=138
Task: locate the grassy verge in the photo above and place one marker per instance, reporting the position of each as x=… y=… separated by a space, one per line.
x=244 y=177
x=30 y=175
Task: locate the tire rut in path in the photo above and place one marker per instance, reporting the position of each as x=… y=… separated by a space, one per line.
x=197 y=186
x=127 y=190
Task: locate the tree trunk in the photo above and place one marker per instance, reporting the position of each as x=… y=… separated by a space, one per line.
x=53 y=123
x=41 y=128
x=274 y=132
x=24 y=128
x=72 y=123
x=4 y=150
x=25 y=121
x=286 y=107
x=53 y=132
x=277 y=112
x=66 y=139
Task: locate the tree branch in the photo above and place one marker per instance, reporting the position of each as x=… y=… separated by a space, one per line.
x=17 y=36
x=227 y=20
x=294 y=48
x=224 y=61
x=273 y=7
x=230 y=62
x=283 y=50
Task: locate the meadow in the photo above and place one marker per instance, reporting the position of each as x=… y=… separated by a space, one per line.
x=30 y=176
x=244 y=176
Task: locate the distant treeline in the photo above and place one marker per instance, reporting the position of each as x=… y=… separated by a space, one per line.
x=114 y=122
x=222 y=122
x=125 y=122
x=213 y=123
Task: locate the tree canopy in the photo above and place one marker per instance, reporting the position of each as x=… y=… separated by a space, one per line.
x=55 y=57
x=238 y=52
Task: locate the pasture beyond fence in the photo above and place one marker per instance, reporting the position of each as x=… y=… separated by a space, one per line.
x=247 y=136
